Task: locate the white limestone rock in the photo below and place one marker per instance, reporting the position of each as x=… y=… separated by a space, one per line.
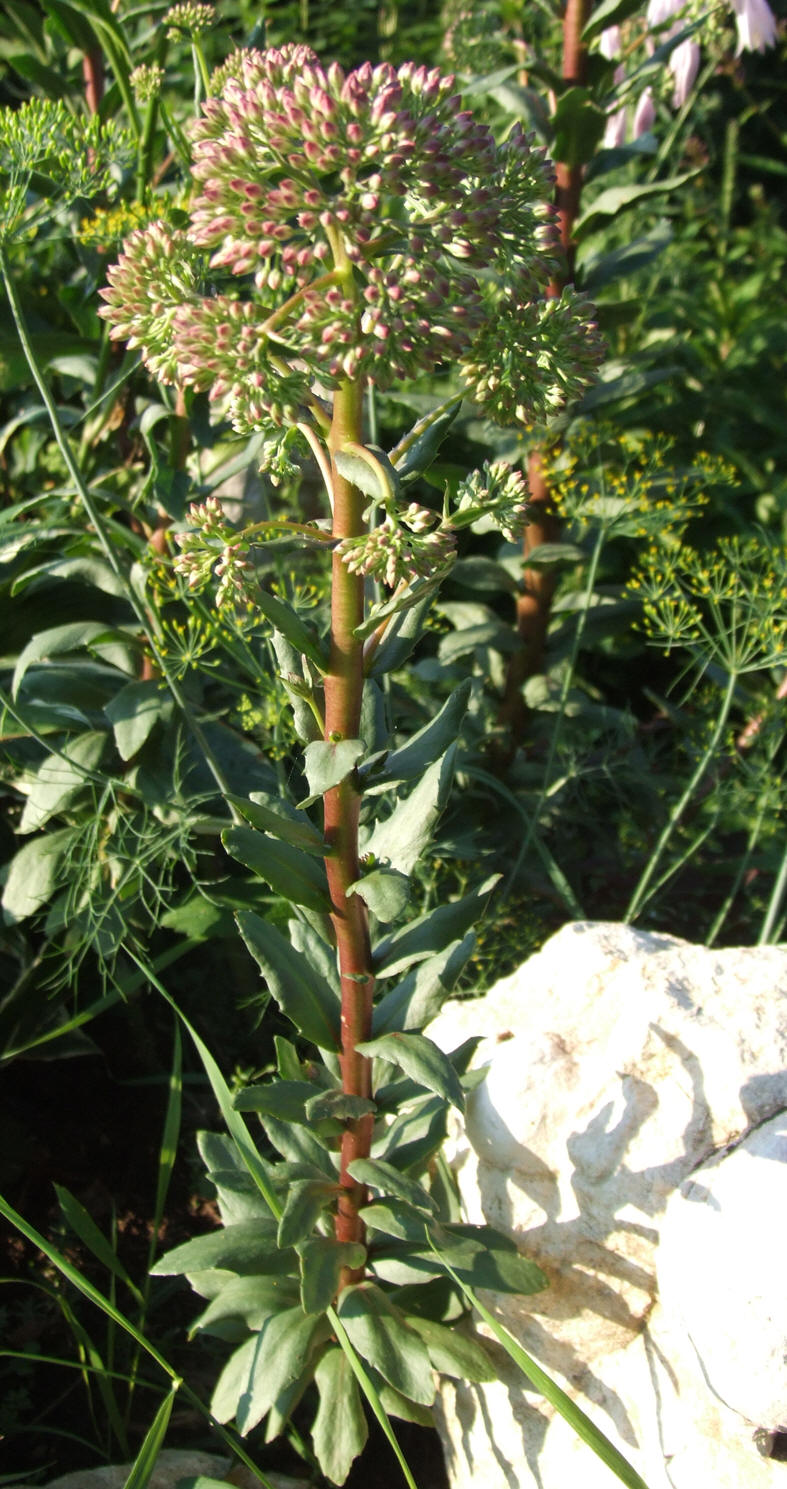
x=172 y=1465
x=620 y=1062
x=722 y=1272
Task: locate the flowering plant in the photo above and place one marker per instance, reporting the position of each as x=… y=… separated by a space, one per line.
x=347 y=229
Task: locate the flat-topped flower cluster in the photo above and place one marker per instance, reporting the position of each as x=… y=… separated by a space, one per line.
x=345 y=226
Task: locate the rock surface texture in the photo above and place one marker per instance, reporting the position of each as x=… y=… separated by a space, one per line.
x=172 y=1466
x=631 y=1135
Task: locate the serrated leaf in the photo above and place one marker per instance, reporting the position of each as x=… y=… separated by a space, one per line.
x=289 y=872
x=385 y=892
x=60 y=779
x=379 y=1333
x=305 y=1202
x=432 y=932
x=271 y=815
x=427 y=746
x=400 y=839
x=418 y=998
x=244 y=1303
x=328 y=762
x=322 y=1262
x=339 y=1432
x=299 y=991
x=421 y=1059
x=241 y=1248
x=383 y=1176
x=452 y=1352
x=33 y=873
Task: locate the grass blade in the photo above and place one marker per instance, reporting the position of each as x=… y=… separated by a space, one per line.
x=368 y=1388
x=568 y=1409
x=147 y=1457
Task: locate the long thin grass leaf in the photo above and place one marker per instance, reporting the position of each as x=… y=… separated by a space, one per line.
x=83 y=1226
x=147 y=1457
x=568 y=1409
x=81 y=1284
x=234 y=1122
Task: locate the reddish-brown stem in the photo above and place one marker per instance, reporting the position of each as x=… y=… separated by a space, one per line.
x=538 y=586
x=93 y=74
x=343 y=692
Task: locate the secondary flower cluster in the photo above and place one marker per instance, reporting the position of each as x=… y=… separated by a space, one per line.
x=214 y=548
x=347 y=225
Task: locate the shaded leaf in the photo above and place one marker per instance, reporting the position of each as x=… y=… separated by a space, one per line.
x=431 y=932
x=61 y=778
x=425 y=747
x=240 y=1248
x=385 y=892
x=453 y=1352
x=418 y=448
x=289 y=872
x=305 y=1202
x=322 y=1263
x=414 y=1135
x=272 y=815
x=299 y=991
x=34 y=873
x=328 y=762
x=244 y=1303
x=418 y=998
x=400 y=839
x=111 y=644
x=283 y=1099
x=338 y=1106
x=383 y=1176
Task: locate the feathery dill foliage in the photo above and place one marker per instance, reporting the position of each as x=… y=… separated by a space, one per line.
x=50 y=159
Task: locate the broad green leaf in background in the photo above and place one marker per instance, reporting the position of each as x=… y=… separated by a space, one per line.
x=134 y=712
x=34 y=872
x=299 y=991
x=111 y=644
x=61 y=778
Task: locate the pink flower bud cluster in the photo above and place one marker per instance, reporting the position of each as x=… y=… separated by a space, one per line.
x=394 y=556
x=372 y=227
x=214 y=548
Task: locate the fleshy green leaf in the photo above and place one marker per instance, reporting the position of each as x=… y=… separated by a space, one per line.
x=300 y=1145
x=288 y=871
x=453 y=1352
x=241 y=1248
x=339 y=1432
x=426 y=746
x=285 y=620
x=385 y=892
x=328 y=762
x=432 y=932
x=337 y=1106
x=283 y=1099
x=400 y=839
x=418 y=998
x=383 y=1176
x=421 y=1059
x=368 y=468
x=379 y=1333
x=299 y=991
x=134 y=712
x=305 y=1202
x=243 y=1304
x=414 y=1135
x=483 y=1257
x=270 y=814
x=261 y=1369
x=322 y=1263
x=416 y=451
